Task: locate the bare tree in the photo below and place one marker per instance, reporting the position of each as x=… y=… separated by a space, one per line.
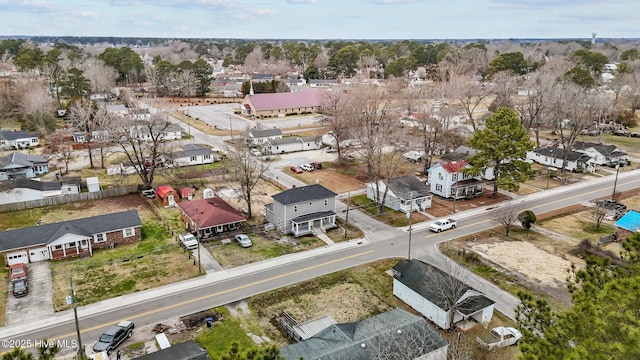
x=378 y=136
x=59 y=148
x=506 y=215
x=81 y=114
x=253 y=62
x=336 y=109
x=598 y=212
x=143 y=143
x=37 y=106
x=102 y=77
x=470 y=93
x=247 y=170
x=321 y=62
x=103 y=123
x=574 y=108
x=533 y=101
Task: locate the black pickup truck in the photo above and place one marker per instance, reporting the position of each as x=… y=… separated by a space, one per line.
x=113 y=337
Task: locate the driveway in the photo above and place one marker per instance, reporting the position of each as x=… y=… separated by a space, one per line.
x=38 y=303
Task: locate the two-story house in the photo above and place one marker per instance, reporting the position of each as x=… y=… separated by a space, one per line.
x=302 y=210
x=449 y=181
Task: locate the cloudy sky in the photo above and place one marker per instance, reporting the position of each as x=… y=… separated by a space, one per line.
x=323 y=19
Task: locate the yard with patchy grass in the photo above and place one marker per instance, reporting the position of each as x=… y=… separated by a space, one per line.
x=348 y=296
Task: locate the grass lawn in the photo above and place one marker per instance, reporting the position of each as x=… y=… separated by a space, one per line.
x=388 y=216
x=154 y=261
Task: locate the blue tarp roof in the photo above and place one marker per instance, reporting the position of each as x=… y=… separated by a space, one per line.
x=630 y=221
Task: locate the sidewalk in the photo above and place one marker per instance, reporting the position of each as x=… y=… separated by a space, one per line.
x=162 y=291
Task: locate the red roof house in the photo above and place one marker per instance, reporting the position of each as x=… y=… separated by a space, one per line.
x=209 y=217
x=281 y=104
x=167 y=195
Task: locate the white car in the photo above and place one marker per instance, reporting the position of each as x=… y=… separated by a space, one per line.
x=498 y=337
x=307 y=167
x=189 y=241
x=244 y=240
x=255 y=152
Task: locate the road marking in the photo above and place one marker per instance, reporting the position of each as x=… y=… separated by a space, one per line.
x=186 y=302
x=535 y=207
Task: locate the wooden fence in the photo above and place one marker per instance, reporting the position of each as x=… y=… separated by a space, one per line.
x=59 y=200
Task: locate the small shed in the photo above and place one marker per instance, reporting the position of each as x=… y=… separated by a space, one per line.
x=167 y=195
x=207 y=193
x=93 y=184
x=186 y=192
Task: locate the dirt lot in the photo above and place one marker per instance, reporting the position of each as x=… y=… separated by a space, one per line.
x=329 y=178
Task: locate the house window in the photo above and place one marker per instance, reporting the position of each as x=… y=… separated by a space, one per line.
x=219 y=228
x=295 y=208
x=326 y=202
x=71 y=244
x=99 y=238
x=454 y=177
x=440 y=177
x=128 y=232
x=193 y=158
x=439 y=187
x=207 y=157
x=57 y=247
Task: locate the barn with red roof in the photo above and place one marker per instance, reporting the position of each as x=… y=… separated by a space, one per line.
x=281 y=104
x=167 y=195
x=210 y=217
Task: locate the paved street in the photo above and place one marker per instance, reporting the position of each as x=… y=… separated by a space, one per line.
x=221 y=287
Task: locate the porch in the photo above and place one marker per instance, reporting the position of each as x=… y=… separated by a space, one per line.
x=305 y=224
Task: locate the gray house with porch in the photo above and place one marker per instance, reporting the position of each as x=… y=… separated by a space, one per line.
x=303 y=210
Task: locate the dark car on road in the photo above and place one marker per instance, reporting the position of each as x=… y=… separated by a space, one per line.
x=113 y=337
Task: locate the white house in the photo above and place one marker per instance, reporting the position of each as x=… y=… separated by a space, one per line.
x=438 y=296
x=601 y=154
x=169 y=132
x=16 y=140
x=194 y=154
x=291 y=144
x=257 y=137
x=406 y=193
x=449 y=181
x=553 y=157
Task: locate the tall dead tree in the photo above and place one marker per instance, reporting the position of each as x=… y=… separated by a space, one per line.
x=506 y=215
x=247 y=170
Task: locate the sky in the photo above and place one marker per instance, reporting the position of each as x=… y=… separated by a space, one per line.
x=323 y=19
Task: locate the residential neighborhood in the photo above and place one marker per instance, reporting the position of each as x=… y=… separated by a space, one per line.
x=204 y=189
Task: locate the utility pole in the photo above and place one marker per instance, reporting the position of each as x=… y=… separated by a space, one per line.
x=346 y=219
x=198 y=238
x=72 y=298
x=615 y=183
x=410 y=223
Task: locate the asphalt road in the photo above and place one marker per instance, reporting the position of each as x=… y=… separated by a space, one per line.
x=206 y=292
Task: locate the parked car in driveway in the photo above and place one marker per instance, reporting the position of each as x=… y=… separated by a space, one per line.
x=317 y=165
x=256 y=152
x=17 y=272
x=20 y=288
x=307 y=167
x=498 y=337
x=296 y=169
x=113 y=337
x=244 y=240
x=189 y=241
